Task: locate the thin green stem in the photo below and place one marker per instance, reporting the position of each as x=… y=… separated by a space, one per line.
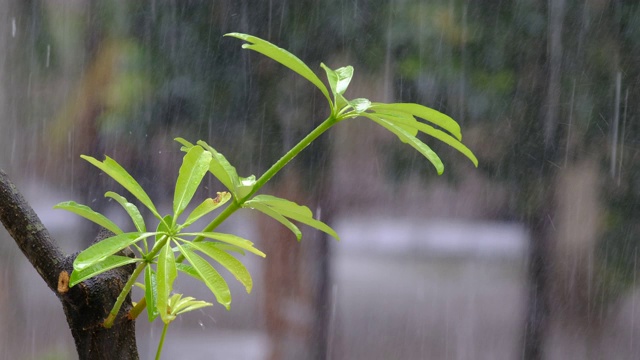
x=157 y=247
x=324 y=126
x=123 y=295
x=161 y=343
x=138 y=309
x=273 y=170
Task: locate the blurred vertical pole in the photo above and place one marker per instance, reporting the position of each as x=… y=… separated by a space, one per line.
x=556 y=12
x=540 y=221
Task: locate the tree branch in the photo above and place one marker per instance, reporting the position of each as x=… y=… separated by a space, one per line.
x=29 y=233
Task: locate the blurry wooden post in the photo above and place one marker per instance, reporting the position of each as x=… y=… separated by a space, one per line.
x=296 y=279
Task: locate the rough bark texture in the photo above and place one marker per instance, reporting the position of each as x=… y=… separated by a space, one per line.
x=85 y=305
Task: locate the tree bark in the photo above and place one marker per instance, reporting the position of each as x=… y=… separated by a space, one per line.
x=87 y=304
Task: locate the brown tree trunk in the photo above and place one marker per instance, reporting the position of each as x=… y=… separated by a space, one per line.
x=298 y=277
x=85 y=305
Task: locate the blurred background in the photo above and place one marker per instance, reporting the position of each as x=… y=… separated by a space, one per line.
x=534 y=255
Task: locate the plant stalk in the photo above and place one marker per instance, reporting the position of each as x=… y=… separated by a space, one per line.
x=138 y=309
x=273 y=170
x=108 y=322
x=284 y=160
x=161 y=343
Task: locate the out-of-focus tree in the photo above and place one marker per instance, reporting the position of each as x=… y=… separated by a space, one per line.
x=547 y=85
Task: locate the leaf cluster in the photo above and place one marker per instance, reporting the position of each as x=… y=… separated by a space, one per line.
x=158 y=250
x=405 y=120
x=160 y=254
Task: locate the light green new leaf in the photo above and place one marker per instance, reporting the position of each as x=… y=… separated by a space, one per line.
x=411 y=140
x=194 y=166
x=186 y=145
x=151 y=293
x=207 y=206
x=293 y=211
x=245 y=186
x=423 y=112
x=180 y=305
x=229 y=239
x=339 y=79
x=229 y=262
x=110 y=262
x=221 y=168
x=119 y=174
x=283 y=57
x=89 y=214
x=192 y=305
x=109 y=246
x=360 y=105
x=166 y=274
x=131 y=209
x=210 y=276
x=275 y=215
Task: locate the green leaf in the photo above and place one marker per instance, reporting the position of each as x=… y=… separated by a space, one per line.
x=180 y=305
x=339 y=79
x=360 y=105
x=210 y=276
x=164 y=227
x=405 y=121
x=189 y=270
x=232 y=264
x=245 y=186
x=229 y=248
x=167 y=273
x=131 y=209
x=293 y=211
x=110 y=262
x=89 y=214
x=207 y=206
x=438 y=134
x=229 y=239
x=227 y=174
x=192 y=305
x=185 y=144
x=411 y=140
x=119 y=174
x=275 y=215
x=423 y=112
x=221 y=168
x=109 y=246
x=151 y=293
x=194 y=166
x=283 y=57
